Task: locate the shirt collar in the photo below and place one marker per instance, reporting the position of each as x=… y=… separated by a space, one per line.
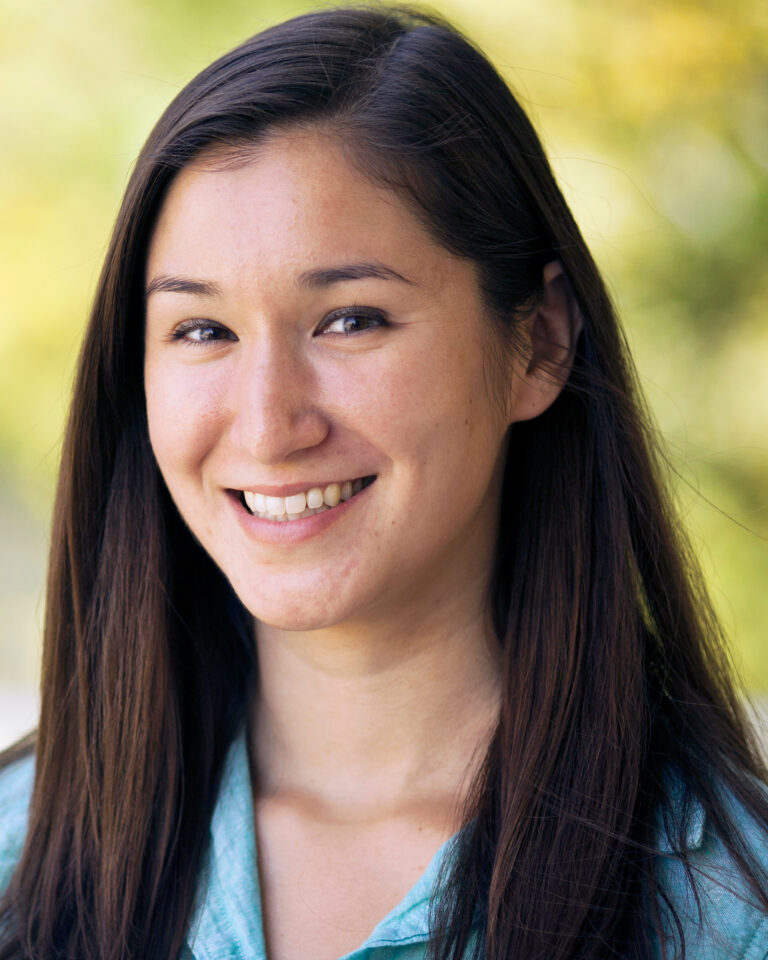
x=227 y=922
x=669 y=819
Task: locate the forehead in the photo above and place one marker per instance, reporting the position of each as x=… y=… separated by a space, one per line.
x=293 y=202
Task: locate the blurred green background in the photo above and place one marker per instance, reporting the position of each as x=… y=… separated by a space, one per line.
x=655 y=115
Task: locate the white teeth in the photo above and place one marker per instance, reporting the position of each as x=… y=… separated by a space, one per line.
x=332 y=494
x=314 y=498
x=299 y=505
x=296 y=504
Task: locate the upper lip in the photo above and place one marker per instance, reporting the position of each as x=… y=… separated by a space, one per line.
x=289 y=489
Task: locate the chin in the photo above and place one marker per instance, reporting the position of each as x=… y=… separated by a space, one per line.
x=294 y=613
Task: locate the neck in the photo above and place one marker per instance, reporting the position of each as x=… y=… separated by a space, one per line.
x=366 y=720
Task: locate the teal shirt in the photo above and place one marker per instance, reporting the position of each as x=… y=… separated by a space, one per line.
x=227 y=922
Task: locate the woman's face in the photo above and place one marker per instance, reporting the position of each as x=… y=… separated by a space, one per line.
x=303 y=330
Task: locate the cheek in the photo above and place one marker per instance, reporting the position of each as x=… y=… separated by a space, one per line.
x=430 y=412
x=184 y=416
x=444 y=402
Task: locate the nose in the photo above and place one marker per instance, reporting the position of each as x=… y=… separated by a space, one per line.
x=275 y=412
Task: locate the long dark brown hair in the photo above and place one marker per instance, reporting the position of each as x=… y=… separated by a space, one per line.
x=617 y=689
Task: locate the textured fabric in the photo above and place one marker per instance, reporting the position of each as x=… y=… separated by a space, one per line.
x=723 y=925
x=15 y=791
x=720 y=919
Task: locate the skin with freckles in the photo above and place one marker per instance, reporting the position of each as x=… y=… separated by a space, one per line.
x=272 y=397
x=304 y=329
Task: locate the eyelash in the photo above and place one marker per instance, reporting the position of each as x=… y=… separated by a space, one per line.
x=182 y=332
x=360 y=313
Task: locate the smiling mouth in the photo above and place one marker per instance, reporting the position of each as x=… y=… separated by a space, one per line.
x=301 y=505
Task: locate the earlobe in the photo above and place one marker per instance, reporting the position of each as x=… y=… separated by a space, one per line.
x=553 y=330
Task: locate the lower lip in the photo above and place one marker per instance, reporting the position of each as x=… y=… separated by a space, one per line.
x=288 y=532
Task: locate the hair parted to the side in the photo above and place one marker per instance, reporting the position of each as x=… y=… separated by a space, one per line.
x=615 y=677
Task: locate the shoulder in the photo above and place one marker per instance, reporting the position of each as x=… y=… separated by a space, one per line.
x=16 y=782
x=717 y=912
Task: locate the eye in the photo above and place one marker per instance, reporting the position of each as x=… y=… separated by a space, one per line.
x=351 y=321
x=199 y=332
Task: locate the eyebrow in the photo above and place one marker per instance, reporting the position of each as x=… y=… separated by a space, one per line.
x=368 y=270
x=314 y=279
x=198 y=288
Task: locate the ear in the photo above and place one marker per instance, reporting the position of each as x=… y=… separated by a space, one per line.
x=551 y=333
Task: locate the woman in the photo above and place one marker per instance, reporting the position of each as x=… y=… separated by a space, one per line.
x=361 y=557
